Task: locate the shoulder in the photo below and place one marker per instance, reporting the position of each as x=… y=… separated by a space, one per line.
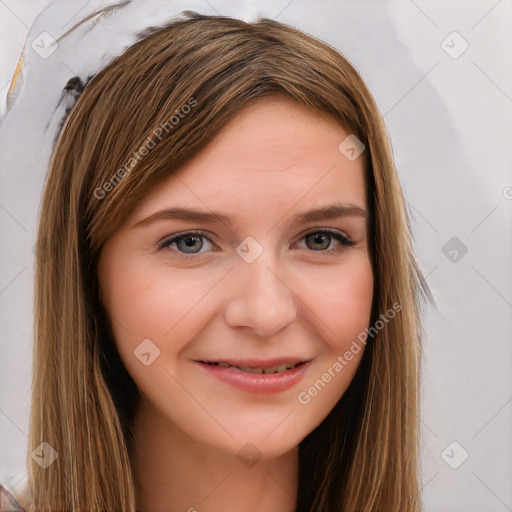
x=8 y=502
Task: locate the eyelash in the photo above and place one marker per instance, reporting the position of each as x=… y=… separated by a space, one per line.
x=345 y=242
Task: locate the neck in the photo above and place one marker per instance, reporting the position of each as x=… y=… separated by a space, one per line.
x=175 y=473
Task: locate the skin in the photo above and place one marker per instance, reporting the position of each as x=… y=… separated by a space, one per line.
x=275 y=159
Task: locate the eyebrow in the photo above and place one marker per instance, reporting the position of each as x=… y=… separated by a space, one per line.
x=328 y=212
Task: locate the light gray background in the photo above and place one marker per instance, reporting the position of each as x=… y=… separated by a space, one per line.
x=450 y=120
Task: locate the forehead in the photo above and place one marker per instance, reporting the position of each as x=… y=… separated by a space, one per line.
x=273 y=154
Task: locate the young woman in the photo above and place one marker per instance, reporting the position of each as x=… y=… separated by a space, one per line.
x=226 y=294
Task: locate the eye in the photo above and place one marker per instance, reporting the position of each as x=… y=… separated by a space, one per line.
x=321 y=241
x=190 y=242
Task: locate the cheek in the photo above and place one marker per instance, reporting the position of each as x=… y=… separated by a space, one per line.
x=143 y=304
x=152 y=302
x=342 y=301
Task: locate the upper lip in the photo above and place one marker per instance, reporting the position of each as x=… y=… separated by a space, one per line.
x=257 y=363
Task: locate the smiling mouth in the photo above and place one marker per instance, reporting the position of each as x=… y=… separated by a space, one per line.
x=266 y=371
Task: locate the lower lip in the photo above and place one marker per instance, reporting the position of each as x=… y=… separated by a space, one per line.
x=257 y=382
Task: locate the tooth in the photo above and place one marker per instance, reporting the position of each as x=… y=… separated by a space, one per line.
x=251 y=370
x=259 y=371
x=280 y=368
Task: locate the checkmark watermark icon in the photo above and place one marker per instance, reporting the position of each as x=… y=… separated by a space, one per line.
x=454 y=45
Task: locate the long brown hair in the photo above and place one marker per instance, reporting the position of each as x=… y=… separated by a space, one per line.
x=363 y=456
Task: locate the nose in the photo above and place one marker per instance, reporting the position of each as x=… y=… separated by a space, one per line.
x=260 y=299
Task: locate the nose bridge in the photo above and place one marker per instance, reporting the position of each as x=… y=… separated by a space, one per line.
x=259 y=297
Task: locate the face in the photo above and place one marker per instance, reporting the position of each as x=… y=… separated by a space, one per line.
x=218 y=279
